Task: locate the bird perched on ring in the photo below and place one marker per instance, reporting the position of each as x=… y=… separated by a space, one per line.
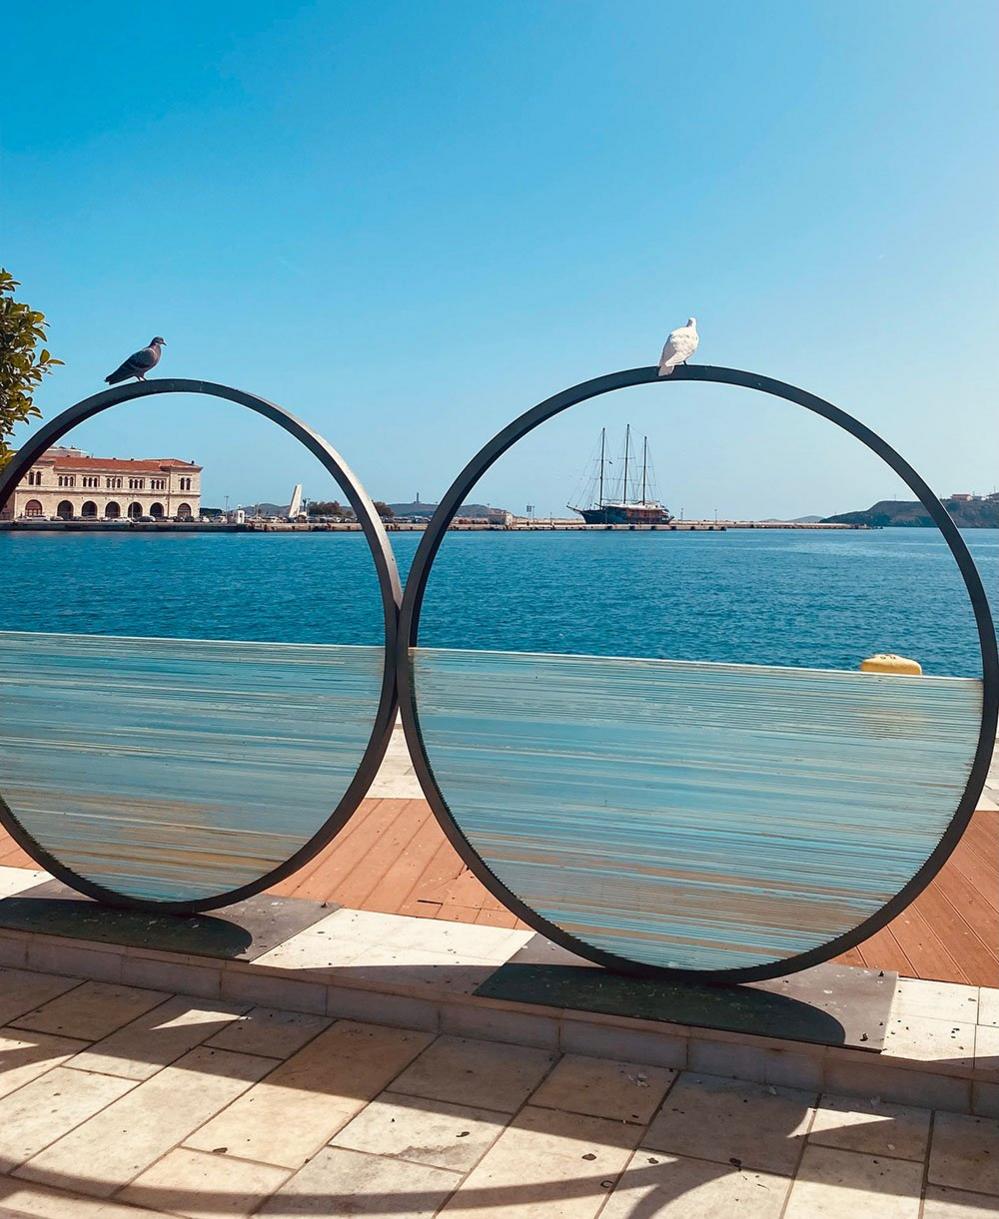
x=679 y=347
x=138 y=363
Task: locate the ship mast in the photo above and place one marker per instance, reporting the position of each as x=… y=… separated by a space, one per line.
x=603 y=445
x=645 y=466
x=627 y=442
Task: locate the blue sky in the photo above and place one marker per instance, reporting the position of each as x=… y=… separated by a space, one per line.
x=408 y=223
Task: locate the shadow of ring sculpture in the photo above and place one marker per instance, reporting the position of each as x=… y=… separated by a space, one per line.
x=182 y=795
x=725 y=822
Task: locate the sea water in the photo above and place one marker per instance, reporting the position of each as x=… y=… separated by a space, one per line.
x=775 y=597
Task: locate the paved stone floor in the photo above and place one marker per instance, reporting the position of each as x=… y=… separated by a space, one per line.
x=117 y=1101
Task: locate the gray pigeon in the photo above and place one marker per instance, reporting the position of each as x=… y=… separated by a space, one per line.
x=138 y=364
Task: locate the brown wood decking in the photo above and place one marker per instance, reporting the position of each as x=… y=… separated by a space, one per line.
x=394 y=857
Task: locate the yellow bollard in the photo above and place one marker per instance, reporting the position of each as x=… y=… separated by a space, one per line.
x=888 y=662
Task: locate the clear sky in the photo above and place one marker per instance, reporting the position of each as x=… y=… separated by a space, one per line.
x=410 y=222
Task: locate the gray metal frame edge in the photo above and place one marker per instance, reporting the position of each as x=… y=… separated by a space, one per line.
x=389 y=588
x=409 y=633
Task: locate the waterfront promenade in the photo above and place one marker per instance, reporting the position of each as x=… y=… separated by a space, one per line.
x=123 y=1102
x=316 y=1081
x=123 y=1099
x=540 y=525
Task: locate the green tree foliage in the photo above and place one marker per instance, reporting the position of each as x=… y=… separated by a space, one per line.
x=319 y=507
x=24 y=360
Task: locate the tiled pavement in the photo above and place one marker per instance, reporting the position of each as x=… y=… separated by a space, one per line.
x=118 y=1101
x=941 y=1045
x=396 y=776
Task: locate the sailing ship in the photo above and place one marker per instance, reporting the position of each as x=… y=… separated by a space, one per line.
x=606 y=508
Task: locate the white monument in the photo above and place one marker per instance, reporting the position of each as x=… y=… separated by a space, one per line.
x=295 y=507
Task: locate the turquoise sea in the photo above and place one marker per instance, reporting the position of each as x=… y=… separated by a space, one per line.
x=800 y=598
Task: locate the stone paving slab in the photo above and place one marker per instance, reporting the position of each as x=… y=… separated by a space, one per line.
x=90 y=1011
x=454 y=1137
x=108 y=1151
x=305 y=1100
x=364 y=1119
x=941 y=1048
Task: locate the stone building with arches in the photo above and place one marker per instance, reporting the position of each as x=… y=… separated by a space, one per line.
x=69 y=484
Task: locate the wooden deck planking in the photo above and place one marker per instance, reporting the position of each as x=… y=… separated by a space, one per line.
x=982 y=830
x=300 y=879
x=883 y=951
x=382 y=853
x=977 y=959
x=402 y=878
x=334 y=864
x=393 y=857
x=426 y=895
x=853 y=956
x=11 y=855
x=976 y=872
x=924 y=948
x=973 y=908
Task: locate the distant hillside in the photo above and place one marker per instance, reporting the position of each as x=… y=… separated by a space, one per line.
x=976 y=514
x=795 y=520
x=414 y=509
x=265 y=509
x=417 y=508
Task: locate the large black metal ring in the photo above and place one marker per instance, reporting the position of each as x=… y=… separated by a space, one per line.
x=409 y=632
x=389 y=588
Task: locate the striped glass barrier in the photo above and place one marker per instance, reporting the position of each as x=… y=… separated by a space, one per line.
x=705 y=817
x=174 y=770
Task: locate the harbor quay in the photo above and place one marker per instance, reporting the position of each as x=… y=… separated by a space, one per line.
x=558 y=525
x=68 y=489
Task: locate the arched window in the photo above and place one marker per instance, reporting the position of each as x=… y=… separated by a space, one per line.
x=32 y=508
x=156 y=512
x=65 y=510
x=134 y=511
x=184 y=512
x=89 y=510
x=112 y=511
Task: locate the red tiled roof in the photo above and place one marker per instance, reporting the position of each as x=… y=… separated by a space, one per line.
x=152 y=465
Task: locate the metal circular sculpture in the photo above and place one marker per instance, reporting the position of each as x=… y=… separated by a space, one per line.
x=726 y=821
x=213 y=767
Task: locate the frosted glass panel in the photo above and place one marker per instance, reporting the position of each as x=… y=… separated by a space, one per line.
x=695 y=816
x=177 y=769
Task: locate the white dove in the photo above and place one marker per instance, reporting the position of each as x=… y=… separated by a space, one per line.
x=679 y=347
